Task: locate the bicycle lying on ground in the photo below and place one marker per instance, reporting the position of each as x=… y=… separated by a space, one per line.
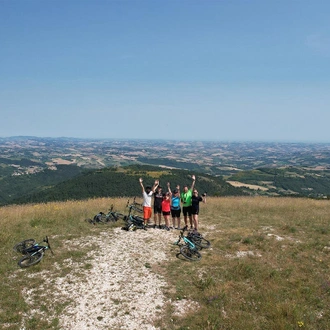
x=111 y=216
x=33 y=252
x=134 y=221
x=188 y=248
x=198 y=240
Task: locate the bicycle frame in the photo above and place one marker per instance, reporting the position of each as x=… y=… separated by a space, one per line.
x=39 y=248
x=134 y=206
x=188 y=242
x=113 y=215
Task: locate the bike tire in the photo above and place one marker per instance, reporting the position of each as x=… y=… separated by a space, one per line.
x=22 y=246
x=190 y=254
x=30 y=259
x=120 y=216
x=111 y=218
x=137 y=221
x=201 y=242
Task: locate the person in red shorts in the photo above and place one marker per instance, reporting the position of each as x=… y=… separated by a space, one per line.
x=147 y=194
x=166 y=209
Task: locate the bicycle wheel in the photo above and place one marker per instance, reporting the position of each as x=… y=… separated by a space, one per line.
x=137 y=221
x=190 y=254
x=120 y=216
x=201 y=242
x=111 y=217
x=30 y=259
x=103 y=218
x=22 y=246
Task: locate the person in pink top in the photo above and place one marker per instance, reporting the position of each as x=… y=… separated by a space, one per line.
x=166 y=209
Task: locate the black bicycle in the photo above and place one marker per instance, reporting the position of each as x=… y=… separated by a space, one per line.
x=33 y=252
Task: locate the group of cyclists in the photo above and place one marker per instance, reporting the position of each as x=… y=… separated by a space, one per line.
x=168 y=204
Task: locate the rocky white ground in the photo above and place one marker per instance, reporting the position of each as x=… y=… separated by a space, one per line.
x=115 y=288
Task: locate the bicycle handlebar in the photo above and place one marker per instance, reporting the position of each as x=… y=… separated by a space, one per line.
x=46 y=240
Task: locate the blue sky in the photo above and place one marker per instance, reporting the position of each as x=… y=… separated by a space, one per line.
x=227 y=70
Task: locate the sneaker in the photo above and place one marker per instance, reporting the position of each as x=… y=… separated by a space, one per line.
x=145 y=227
x=155 y=226
x=166 y=228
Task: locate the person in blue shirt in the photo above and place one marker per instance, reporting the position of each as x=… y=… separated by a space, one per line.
x=175 y=206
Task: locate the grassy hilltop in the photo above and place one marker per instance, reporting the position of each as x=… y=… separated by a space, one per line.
x=268 y=267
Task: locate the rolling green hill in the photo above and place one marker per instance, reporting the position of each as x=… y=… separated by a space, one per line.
x=124 y=181
x=15 y=187
x=288 y=180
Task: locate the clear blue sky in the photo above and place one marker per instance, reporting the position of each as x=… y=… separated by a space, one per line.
x=172 y=69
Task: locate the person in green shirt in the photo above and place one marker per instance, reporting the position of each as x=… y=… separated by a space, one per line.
x=186 y=196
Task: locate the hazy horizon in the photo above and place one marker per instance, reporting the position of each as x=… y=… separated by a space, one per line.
x=165 y=139
x=191 y=69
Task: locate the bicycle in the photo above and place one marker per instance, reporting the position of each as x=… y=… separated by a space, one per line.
x=135 y=206
x=134 y=221
x=188 y=249
x=113 y=216
x=32 y=251
x=198 y=240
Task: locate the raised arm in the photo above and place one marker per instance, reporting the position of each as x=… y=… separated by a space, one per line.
x=141 y=184
x=193 y=182
x=156 y=184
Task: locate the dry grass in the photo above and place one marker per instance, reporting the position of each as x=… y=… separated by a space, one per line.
x=268 y=267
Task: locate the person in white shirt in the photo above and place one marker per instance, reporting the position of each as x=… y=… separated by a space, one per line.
x=147 y=193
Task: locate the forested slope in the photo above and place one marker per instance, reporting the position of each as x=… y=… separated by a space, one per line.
x=15 y=187
x=117 y=182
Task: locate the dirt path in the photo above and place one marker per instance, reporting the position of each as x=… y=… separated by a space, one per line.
x=116 y=287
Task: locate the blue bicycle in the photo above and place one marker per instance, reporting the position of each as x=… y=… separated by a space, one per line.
x=33 y=252
x=188 y=249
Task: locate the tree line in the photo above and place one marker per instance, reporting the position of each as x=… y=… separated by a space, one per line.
x=123 y=181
